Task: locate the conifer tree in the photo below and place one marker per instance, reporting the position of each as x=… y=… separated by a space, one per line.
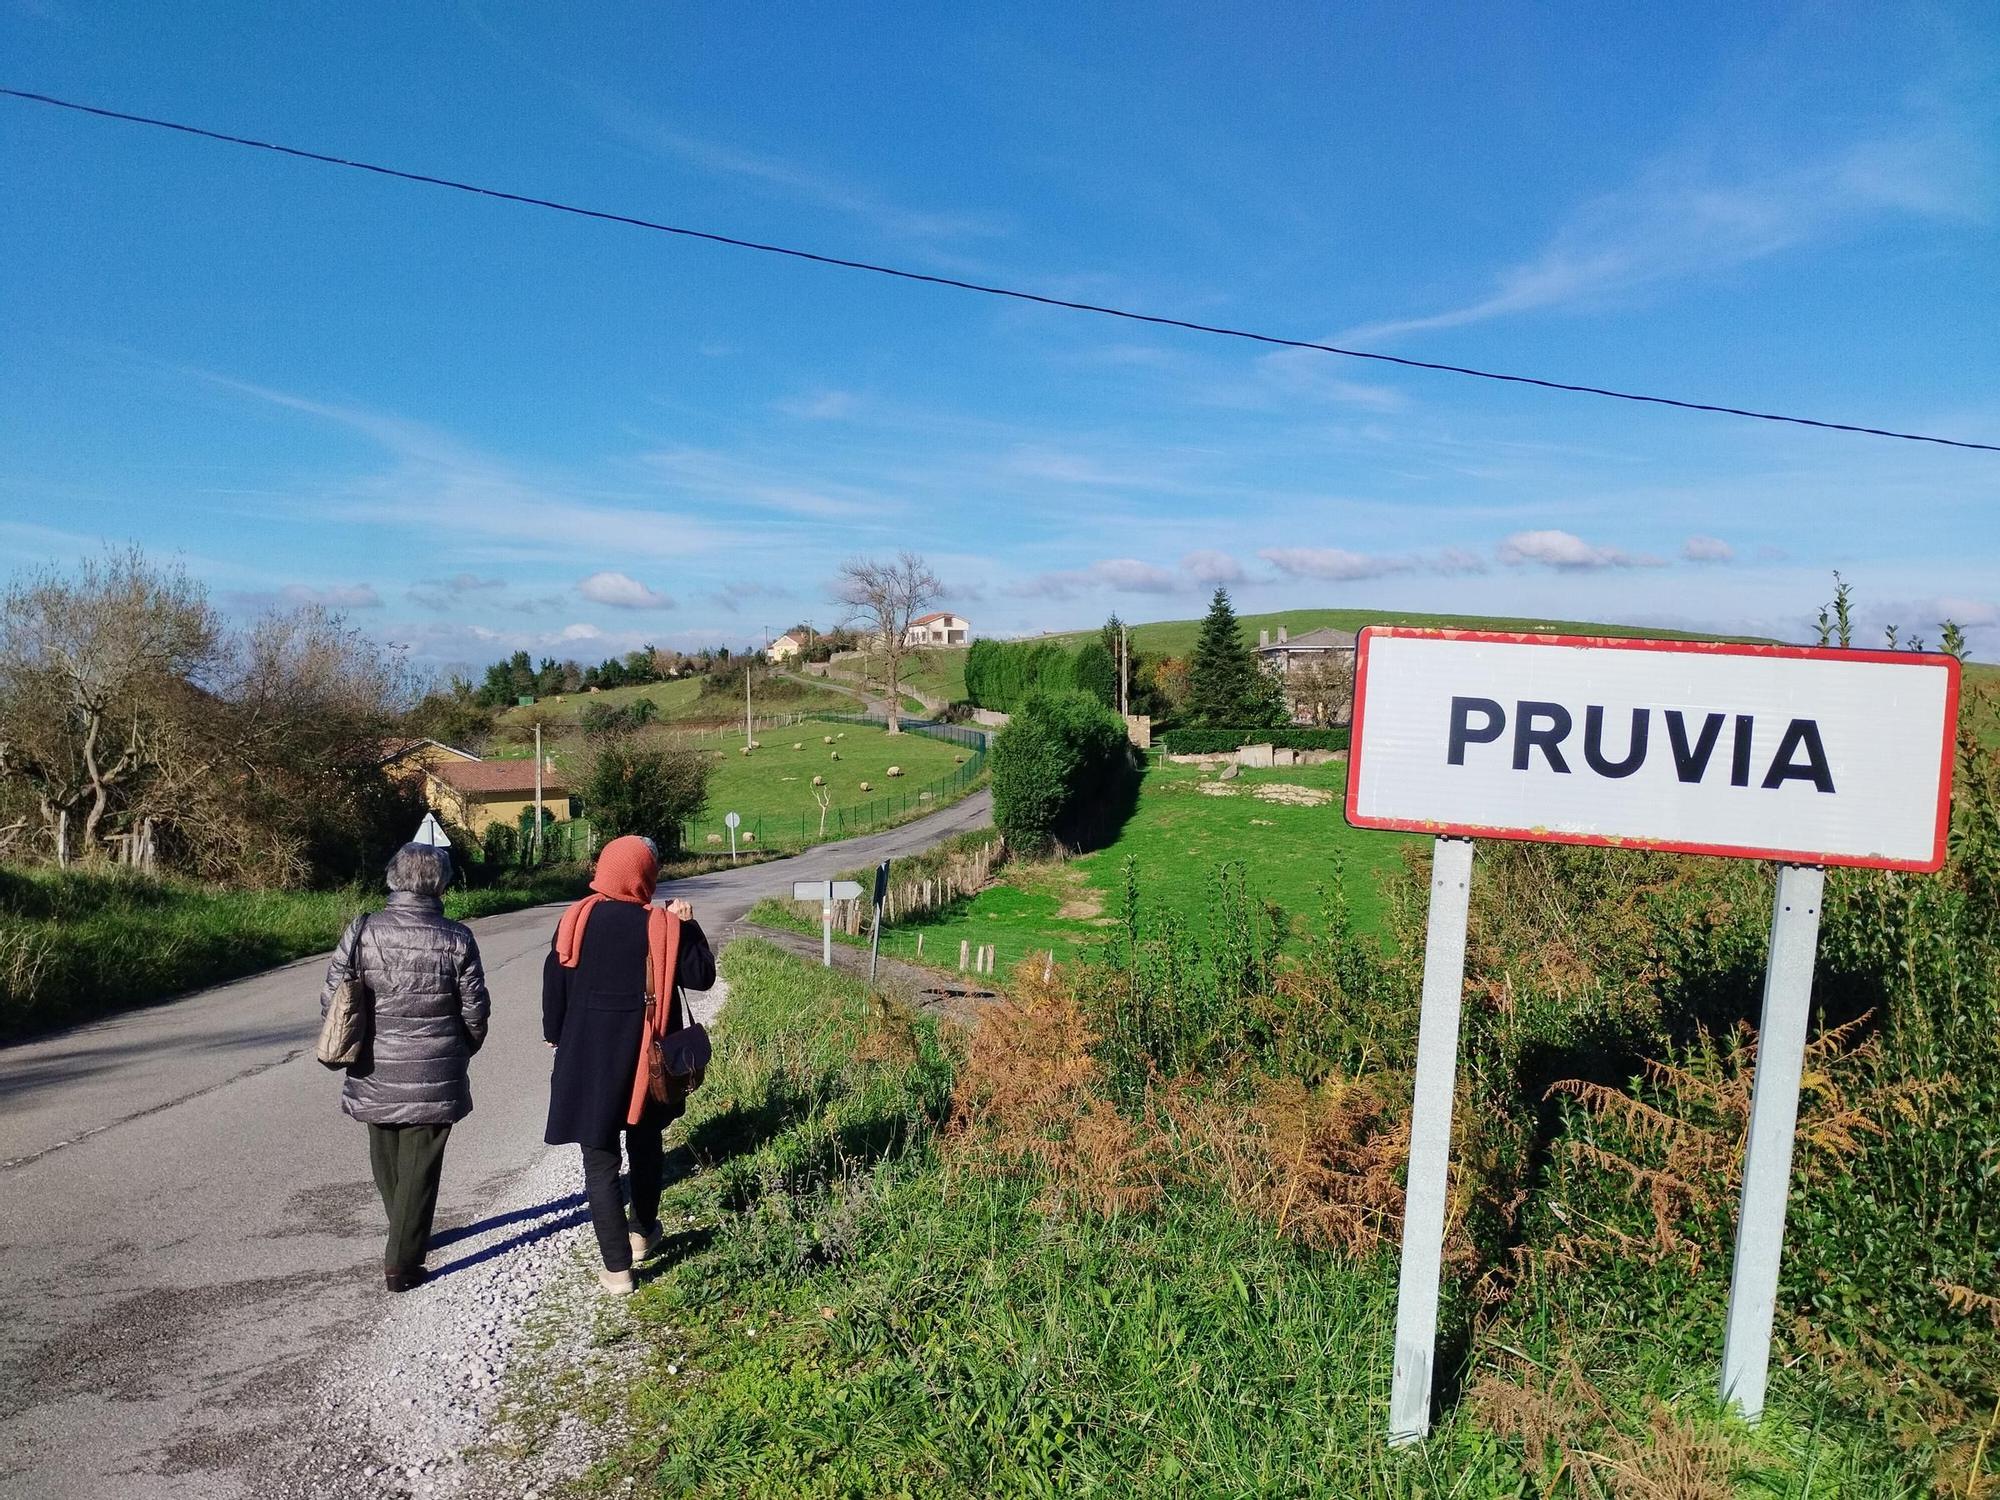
x=1228 y=687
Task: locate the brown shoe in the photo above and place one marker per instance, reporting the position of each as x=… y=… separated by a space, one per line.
x=646 y=1242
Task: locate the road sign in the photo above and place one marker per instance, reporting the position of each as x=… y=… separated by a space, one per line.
x=825 y=890
x=1807 y=757
x=732 y=820
x=431 y=832
x=1766 y=752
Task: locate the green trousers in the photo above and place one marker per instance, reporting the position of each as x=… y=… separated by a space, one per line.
x=407 y=1160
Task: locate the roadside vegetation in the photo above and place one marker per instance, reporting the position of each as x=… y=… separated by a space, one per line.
x=1102 y=1243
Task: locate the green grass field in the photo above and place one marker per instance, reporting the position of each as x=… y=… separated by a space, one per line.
x=938 y=672
x=1285 y=827
x=772 y=791
x=1177 y=637
x=679 y=702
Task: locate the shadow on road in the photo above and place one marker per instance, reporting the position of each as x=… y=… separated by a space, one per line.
x=520 y=1215
x=569 y=1218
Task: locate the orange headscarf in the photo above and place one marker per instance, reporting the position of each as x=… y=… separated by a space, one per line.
x=628 y=870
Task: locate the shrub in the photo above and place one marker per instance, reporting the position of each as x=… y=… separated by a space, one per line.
x=1062 y=773
x=1221 y=741
x=645 y=790
x=603 y=720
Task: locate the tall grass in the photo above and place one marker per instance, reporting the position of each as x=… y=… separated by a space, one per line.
x=80 y=943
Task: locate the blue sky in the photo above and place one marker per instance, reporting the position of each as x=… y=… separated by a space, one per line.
x=476 y=427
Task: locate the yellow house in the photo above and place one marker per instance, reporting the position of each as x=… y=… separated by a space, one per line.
x=786 y=646
x=476 y=794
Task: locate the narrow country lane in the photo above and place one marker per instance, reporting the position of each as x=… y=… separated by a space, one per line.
x=188 y=1230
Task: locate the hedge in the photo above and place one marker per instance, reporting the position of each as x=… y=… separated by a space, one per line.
x=1001 y=675
x=1222 y=741
x=1062 y=773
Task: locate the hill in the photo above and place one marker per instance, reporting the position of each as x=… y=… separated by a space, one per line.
x=1177 y=637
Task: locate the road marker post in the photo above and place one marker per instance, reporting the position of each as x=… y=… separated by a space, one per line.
x=826 y=892
x=732 y=821
x=875 y=938
x=1803 y=757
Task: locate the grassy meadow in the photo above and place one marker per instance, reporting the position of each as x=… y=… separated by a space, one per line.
x=771 y=789
x=910 y=1263
x=1283 y=826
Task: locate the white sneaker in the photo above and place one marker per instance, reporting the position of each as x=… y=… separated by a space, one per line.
x=646 y=1242
x=616 y=1283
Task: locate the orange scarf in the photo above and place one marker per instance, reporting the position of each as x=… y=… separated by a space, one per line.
x=628 y=870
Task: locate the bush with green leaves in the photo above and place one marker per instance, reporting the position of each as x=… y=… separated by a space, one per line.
x=644 y=789
x=1062 y=773
x=1002 y=675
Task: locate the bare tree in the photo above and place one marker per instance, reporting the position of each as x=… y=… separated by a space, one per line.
x=91 y=668
x=1320 y=688
x=883 y=598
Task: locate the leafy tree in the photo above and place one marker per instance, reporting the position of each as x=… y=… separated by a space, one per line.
x=1228 y=687
x=647 y=790
x=457 y=714
x=1096 y=673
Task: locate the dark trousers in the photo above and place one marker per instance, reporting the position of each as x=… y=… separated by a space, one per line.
x=407 y=1160
x=600 y=1185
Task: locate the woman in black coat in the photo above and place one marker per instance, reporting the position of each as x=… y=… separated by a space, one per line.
x=427 y=994
x=593 y=1014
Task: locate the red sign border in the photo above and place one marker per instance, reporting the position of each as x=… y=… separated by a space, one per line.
x=1949 y=664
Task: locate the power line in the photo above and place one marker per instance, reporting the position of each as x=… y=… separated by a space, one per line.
x=956 y=284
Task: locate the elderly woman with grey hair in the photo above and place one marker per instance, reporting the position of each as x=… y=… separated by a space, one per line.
x=429 y=1004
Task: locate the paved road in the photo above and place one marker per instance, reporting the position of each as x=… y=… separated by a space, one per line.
x=187 y=1224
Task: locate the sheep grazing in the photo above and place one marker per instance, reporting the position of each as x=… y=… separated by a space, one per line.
x=800 y=745
x=867 y=787
x=826 y=739
x=715 y=838
x=836 y=755
x=819 y=781
x=895 y=771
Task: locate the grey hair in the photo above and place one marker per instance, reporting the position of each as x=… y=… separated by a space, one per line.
x=421 y=870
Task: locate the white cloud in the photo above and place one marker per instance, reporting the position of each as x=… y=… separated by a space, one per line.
x=1696 y=212
x=1125 y=575
x=1333 y=563
x=1707 y=549
x=298 y=595
x=1569 y=552
x=1209 y=568
x=622 y=591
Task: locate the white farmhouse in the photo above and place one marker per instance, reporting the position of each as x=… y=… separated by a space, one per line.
x=939 y=629
x=786 y=646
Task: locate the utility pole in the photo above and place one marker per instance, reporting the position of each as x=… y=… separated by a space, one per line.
x=747 y=666
x=538 y=793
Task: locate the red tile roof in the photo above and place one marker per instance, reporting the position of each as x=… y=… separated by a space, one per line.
x=488 y=777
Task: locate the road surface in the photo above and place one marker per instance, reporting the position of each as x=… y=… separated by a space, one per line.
x=188 y=1230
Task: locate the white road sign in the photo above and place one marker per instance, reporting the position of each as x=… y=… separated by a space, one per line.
x=431 y=832
x=825 y=890
x=1766 y=752
x=732 y=820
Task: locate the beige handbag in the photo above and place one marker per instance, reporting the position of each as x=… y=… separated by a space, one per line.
x=343 y=1031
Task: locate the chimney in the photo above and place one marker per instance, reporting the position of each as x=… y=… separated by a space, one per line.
x=1263 y=639
x=1283 y=635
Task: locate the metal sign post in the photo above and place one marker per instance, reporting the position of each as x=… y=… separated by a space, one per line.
x=733 y=822
x=1430 y=1141
x=825 y=892
x=875 y=939
x=1774 y=1112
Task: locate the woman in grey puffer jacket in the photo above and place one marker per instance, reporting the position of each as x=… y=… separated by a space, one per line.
x=429 y=1003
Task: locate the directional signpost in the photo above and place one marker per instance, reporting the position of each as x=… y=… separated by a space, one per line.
x=875 y=938
x=1804 y=757
x=431 y=832
x=733 y=821
x=826 y=892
